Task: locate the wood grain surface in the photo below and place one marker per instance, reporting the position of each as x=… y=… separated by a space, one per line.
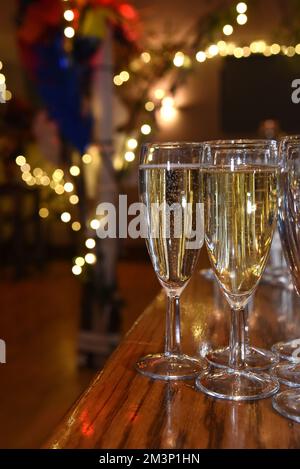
x=122 y=409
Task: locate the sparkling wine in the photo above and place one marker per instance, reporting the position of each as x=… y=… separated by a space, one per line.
x=289 y=221
x=240 y=218
x=170 y=231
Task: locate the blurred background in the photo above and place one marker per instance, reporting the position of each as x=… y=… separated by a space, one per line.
x=83 y=83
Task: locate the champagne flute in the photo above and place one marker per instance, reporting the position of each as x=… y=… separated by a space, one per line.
x=171 y=191
x=240 y=198
x=287 y=403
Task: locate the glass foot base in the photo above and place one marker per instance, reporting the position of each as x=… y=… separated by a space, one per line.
x=287 y=403
x=288 y=350
x=256 y=359
x=169 y=367
x=288 y=374
x=236 y=385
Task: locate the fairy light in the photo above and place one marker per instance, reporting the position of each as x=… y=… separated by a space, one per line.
x=74 y=199
x=275 y=49
x=76 y=269
x=132 y=143
x=90 y=258
x=241 y=7
x=69 y=32
x=87 y=158
x=76 y=226
x=212 y=50
x=178 y=60
x=21 y=160
x=129 y=156
x=69 y=187
x=124 y=75
x=58 y=175
x=95 y=224
x=90 y=243
x=65 y=217
x=43 y=212
x=74 y=170
x=69 y=15
x=146 y=57
x=146 y=129
x=159 y=93
x=80 y=261
x=149 y=106
x=228 y=30
x=200 y=56
x=117 y=80
x=242 y=19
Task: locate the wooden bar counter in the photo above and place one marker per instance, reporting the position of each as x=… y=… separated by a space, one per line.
x=122 y=409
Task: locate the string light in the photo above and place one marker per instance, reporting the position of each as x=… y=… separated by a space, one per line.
x=90 y=243
x=132 y=143
x=76 y=269
x=76 y=226
x=146 y=57
x=200 y=56
x=241 y=7
x=69 y=32
x=228 y=30
x=69 y=187
x=80 y=261
x=242 y=19
x=20 y=160
x=159 y=93
x=43 y=212
x=129 y=156
x=124 y=76
x=149 y=106
x=146 y=129
x=95 y=224
x=74 y=171
x=90 y=258
x=178 y=60
x=65 y=217
x=74 y=199
x=87 y=158
x=69 y=15
x=168 y=111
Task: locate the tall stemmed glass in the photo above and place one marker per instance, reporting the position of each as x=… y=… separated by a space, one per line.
x=289 y=228
x=171 y=192
x=240 y=198
x=288 y=402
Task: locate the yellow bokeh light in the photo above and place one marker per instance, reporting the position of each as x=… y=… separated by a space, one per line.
x=228 y=30
x=241 y=7
x=26 y=176
x=146 y=129
x=38 y=172
x=59 y=189
x=58 y=175
x=45 y=180
x=212 y=51
x=129 y=156
x=132 y=143
x=25 y=168
x=90 y=258
x=95 y=224
x=43 y=212
x=275 y=49
x=80 y=261
x=69 y=15
x=74 y=199
x=74 y=170
x=76 y=226
x=90 y=243
x=20 y=160
x=178 y=60
x=69 y=187
x=200 y=56
x=117 y=80
x=8 y=95
x=69 y=32
x=65 y=217
x=87 y=158
x=2 y=79
x=146 y=57
x=159 y=93
x=149 y=106
x=242 y=19
x=124 y=76
x=76 y=269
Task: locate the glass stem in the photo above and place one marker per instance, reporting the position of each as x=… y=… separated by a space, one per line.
x=173 y=330
x=237 y=339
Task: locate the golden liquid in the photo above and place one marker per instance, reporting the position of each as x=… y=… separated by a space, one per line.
x=240 y=219
x=173 y=262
